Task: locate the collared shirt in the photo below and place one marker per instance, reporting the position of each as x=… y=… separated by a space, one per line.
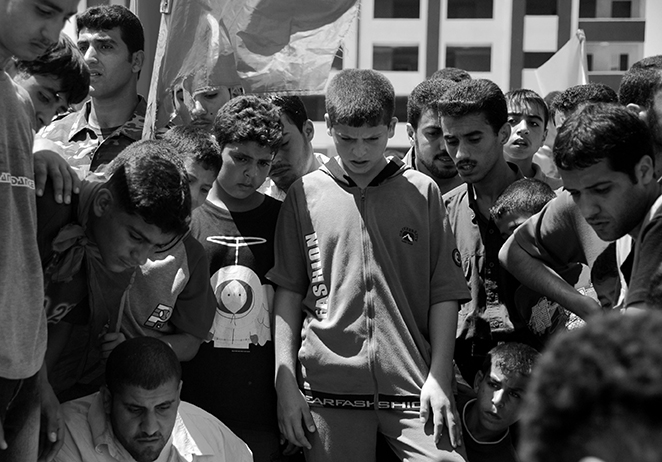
x=84 y=146
x=491 y=314
x=196 y=436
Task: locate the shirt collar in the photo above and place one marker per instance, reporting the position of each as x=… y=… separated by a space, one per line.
x=103 y=436
x=132 y=128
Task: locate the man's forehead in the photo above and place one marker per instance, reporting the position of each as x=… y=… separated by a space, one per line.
x=68 y=7
x=114 y=34
x=526 y=109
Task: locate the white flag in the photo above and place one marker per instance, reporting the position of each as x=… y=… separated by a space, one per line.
x=566 y=68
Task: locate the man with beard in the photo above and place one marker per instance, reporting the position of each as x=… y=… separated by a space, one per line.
x=428 y=153
x=559 y=237
x=474 y=120
x=138 y=415
x=606 y=159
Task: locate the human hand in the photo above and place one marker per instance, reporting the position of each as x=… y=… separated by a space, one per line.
x=439 y=401
x=292 y=411
x=51 y=430
x=109 y=341
x=585 y=306
x=49 y=164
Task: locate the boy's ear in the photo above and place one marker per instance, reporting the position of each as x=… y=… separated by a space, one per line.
x=391 y=127
x=644 y=170
x=137 y=61
x=327 y=120
x=103 y=201
x=308 y=130
x=504 y=133
x=478 y=379
x=411 y=134
x=641 y=112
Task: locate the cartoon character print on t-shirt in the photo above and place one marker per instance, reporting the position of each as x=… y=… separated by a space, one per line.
x=242 y=301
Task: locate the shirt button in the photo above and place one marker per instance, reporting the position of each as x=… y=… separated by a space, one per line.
x=491 y=265
x=491 y=231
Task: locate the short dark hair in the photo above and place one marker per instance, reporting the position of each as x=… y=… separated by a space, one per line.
x=146 y=182
x=65 y=62
x=196 y=144
x=424 y=97
x=550 y=97
x=511 y=358
x=649 y=62
x=144 y=362
x=596 y=391
x=107 y=17
x=292 y=106
x=249 y=118
x=476 y=96
x=525 y=196
x=518 y=99
x=451 y=73
x=639 y=86
x=570 y=99
x=603 y=131
x=357 y=97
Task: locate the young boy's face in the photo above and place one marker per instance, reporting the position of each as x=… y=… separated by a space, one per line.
x=245 y=167
x=499 y=399
x=528 y=131
x=29 y=27
x=46 y=97
x=509 y=222
x=361 y=149
x=200 y=181
x=125 y=240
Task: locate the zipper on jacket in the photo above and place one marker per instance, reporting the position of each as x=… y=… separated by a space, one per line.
x=369 y=309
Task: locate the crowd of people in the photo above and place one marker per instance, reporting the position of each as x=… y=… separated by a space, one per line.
x=225 y=293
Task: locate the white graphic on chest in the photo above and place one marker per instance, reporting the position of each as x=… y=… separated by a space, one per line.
x=242 y=301
x=159 y=317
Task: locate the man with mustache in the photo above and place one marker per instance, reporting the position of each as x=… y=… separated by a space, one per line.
x=111 y=39
x=559 y=236
x=138 y=414
x=428 y=153
x=474 y=120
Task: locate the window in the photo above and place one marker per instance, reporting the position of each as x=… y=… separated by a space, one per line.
x=387 y=58
x=621 y=9
x=470 y=9
x=471 y=59
x=587 y=8
x=533 y=60
x=599 y=9
x=397 y=8
x=540 y=7
x=623 y=61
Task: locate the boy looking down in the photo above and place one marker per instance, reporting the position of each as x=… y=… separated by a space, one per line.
x=368 y=286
